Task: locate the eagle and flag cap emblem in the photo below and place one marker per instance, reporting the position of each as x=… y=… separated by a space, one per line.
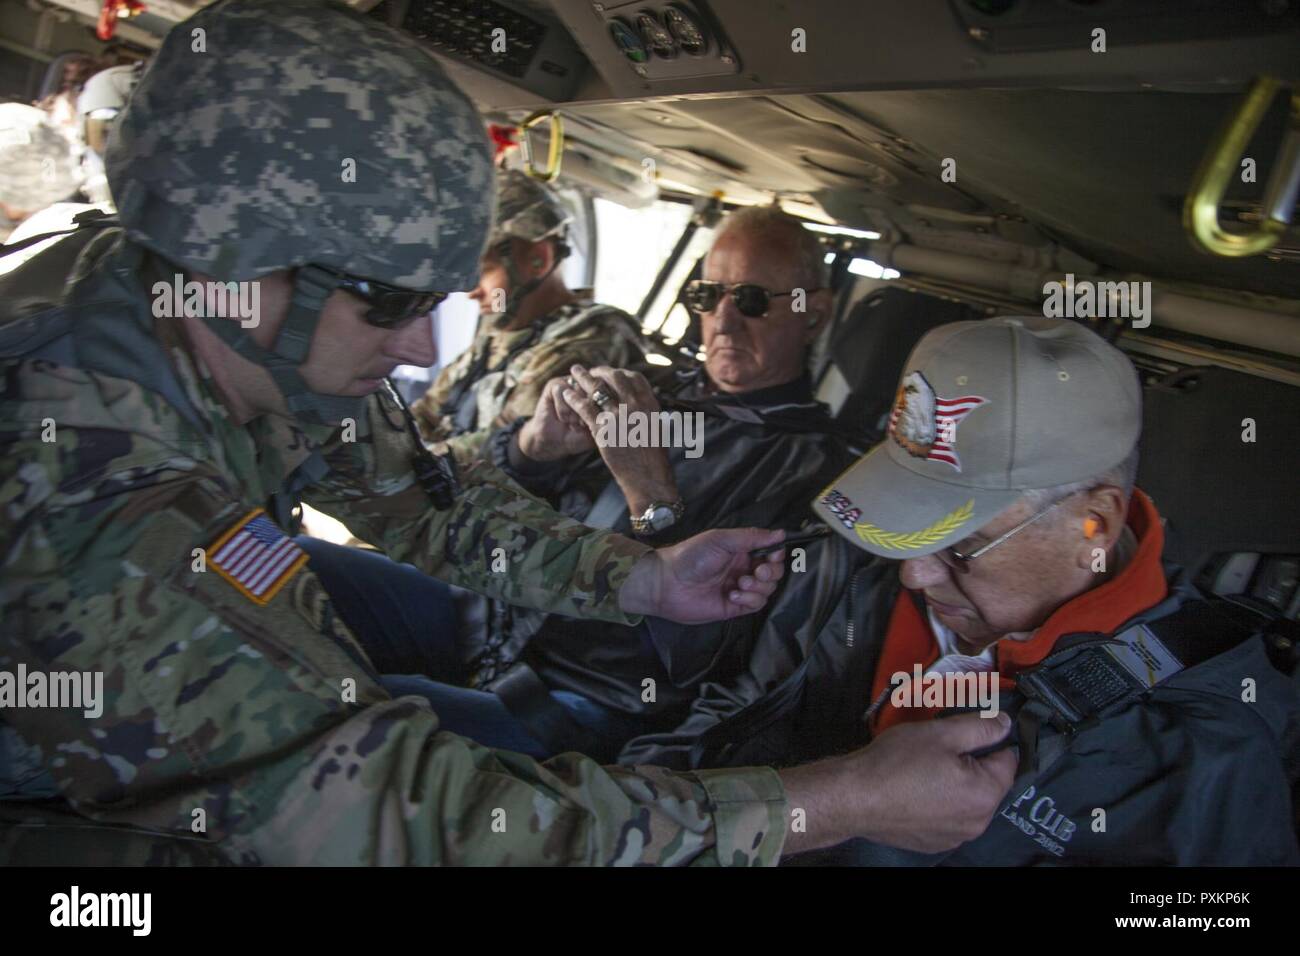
x=924 y=424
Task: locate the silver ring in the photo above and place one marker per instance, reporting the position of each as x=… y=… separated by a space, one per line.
x=600 y=397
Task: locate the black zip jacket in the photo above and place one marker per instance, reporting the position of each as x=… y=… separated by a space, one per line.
x=766 y=455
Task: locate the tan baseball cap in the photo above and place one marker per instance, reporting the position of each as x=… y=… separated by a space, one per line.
x=985 y=411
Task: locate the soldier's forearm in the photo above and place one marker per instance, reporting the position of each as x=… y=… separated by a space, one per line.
x=641 y=591
x=496 y=538
x=822 y=805
x=400 y=809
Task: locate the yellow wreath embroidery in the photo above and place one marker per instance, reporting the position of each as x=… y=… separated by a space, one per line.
x=898 y=541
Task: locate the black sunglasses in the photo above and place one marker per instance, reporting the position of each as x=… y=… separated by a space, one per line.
x=390 y=307
x=751 y=300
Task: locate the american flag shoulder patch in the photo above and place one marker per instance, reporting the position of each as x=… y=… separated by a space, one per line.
x=256 y=557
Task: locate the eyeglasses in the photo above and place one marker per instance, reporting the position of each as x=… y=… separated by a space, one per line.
x=751 y=300
x=960 y=562
x=391 y=307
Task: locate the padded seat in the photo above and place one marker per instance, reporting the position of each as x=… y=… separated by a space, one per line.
x=868 y=349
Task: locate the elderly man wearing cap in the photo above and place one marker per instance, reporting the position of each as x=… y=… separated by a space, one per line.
x=1011 y=547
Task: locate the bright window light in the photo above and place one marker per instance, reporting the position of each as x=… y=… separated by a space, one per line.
x=870 y=269
x=842 y=231
x=633 y=244
x=675 y=325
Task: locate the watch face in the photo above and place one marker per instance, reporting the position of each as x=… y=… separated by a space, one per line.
x=662 y=517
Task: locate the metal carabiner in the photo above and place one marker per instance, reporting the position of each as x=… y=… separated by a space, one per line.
x=1201 y=210
x=555 y=152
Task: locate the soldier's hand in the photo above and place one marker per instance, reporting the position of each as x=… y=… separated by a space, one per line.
x=915 y=786
x=709 y=577
x=554 y=431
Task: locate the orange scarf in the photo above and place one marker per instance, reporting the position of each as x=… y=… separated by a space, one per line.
x=909 y=641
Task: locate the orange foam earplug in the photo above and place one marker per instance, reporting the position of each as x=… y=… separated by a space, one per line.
x=1089 y=527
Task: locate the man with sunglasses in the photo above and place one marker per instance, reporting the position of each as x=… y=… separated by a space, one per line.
x=533 y=327
x=764 y=446
x=1005 y=541
x=148 y=464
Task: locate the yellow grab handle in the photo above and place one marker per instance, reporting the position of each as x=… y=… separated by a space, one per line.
x=1201 y=210
x=555 y=153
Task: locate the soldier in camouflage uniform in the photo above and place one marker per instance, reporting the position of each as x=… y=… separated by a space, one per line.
x=241 y=721
x=533 y=327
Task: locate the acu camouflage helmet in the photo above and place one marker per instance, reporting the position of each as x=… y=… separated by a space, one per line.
x=268 y=134
x=297 y=134
x=527 y=209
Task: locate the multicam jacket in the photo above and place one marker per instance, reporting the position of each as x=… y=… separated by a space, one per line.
x=500 y=377
x=252 y=729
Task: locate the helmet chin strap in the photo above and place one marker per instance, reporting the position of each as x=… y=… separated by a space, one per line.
x=287 y=353
x=520 y=290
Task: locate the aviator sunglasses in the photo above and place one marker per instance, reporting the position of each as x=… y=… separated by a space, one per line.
x=751 y=300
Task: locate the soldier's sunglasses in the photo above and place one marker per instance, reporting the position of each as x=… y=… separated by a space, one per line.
x=751 y=300
x=390 y=307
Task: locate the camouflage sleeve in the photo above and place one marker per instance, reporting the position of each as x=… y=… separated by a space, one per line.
x=258 y=728
x=467 y=448
x=496 y=539
x=551 y=361
x=427 y=408
x=589 y=350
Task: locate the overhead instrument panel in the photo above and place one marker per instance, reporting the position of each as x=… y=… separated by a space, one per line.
x=668 y=41
x=513 y=41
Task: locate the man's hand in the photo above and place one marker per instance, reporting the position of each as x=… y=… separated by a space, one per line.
x=913 y=787
x=643 y=473
x=555 y=431
x=709 y=577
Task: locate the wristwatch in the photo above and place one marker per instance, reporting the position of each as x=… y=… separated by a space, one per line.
x=658 y=516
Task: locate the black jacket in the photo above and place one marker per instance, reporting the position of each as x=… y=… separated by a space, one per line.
x=1189 y=773
x=766 y=455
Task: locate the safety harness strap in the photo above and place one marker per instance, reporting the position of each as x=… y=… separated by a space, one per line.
x=1087 y=682
x=311 y=287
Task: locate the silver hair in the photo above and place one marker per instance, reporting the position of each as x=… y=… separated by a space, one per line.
x=768 y=221
x=1123 y=475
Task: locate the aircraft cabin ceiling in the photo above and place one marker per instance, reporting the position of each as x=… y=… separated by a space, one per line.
x=850 y=107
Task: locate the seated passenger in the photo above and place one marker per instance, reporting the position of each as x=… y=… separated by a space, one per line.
x=1014 y=552
x=37 y=167
x=755 y=447
x=533 y=326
